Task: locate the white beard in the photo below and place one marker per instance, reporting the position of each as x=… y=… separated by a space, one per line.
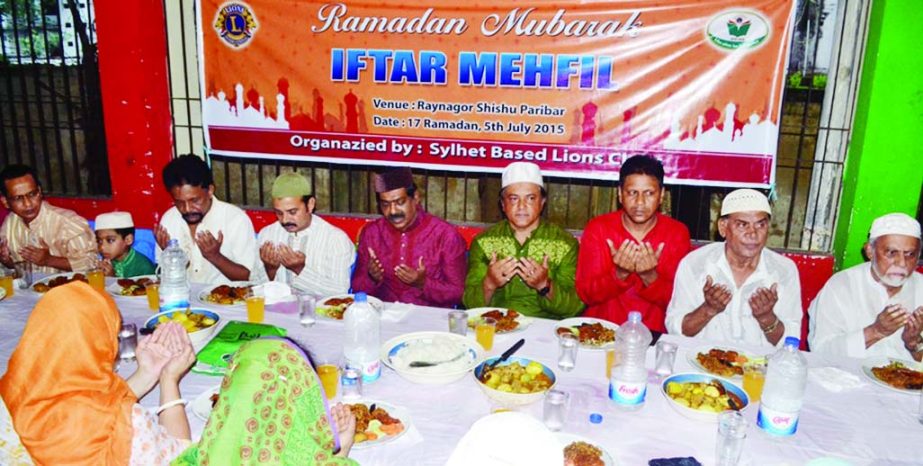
x=888 y=280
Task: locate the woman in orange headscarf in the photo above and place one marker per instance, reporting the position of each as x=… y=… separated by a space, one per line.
x=67 y=403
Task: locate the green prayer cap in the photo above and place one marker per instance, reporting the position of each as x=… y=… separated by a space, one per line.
x=290 y=185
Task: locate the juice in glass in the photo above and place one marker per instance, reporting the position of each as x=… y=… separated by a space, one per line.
x=754 y=378
x=97 y=279
x=6 y=282
x=329 y=377
x=256 y=309
x=153 y=296
x=484 y=332
x=610 y=360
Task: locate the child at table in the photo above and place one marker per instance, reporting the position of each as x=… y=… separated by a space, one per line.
x=115 y=233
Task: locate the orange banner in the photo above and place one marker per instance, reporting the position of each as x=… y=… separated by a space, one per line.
x=472 y=87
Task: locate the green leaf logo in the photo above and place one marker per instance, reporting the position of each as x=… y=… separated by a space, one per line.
x=738 y=27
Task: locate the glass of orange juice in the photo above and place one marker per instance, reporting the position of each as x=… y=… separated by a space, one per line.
x=329 y=373
x=610 y=359
x=256 y=309
x=484 y=332
x=97 y=279
x=754 y=378
x=153 y=296
x=6 y=282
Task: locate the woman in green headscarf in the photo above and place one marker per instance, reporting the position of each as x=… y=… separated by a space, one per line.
x=272 y=410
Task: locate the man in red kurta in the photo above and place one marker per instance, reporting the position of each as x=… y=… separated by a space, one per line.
x=628 y=258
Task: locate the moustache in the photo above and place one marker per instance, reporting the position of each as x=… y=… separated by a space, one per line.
x=289 y=225
x=192 y=218
x=396 y=218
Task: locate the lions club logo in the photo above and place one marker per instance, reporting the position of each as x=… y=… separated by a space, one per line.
x=235 y=23
x=736 y=29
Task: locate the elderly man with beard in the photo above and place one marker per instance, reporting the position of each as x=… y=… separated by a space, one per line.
x=302 y=249
x=409 y=255
x=875 y=308
x=218 y=237
x=737 y=291
x=523 y=263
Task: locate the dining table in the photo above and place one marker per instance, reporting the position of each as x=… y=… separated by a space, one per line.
x=855 y=422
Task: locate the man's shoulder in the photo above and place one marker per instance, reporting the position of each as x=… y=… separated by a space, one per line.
x=440 y=226
x=779 y=261
x=604 y=222
x=671 y=223
x=553 y=231
x=497 y=229
x=67 y=215
x=710 y=251
x=324 y=225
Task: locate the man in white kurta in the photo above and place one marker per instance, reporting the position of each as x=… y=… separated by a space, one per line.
x=302 y=249
x=861 y=311
x=760 y=304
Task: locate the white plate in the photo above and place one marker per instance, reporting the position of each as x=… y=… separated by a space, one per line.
x=691 y=358
x=202 y=405
x=869 y=363
x=116 y=290
x=524 y=321
x=574 y=322
x=52 y=277
x=207 y=291
x=394 y=411
x=430 y=375
x=321 y=309
x=567 y=439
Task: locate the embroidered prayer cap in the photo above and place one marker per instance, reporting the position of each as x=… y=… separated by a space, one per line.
x=290 y=184
x=114 y=221
x=745 y=200
x=895 y=224
x=521 y=172
x=395 y=178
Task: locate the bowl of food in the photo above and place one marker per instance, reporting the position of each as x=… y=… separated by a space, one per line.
x=199 y=323
x=702 y=397
x=431 y=357
x=516 y=381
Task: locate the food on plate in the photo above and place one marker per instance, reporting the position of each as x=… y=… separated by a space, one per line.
x=897 y=375
x=132 y=287
x=583 y=454
x=593 y=334
x=722 y=362
x=228 y=295
x=191 y=321
x=514 y=378
x=506 y=321
x=710 y=397
x=335 y=307
x=44 y=286
x=373 y=422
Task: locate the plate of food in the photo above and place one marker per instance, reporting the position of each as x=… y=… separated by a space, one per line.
x=133 y=287
x=42 y=286
x=508 y=320
x=594 y=334
x=203 y=404
x=333 y=307
x=378 y=423
x=701 y=396
x=580 y=451
x=723 y=361
x=897 y=374
x=199 y=323
x=227 y=294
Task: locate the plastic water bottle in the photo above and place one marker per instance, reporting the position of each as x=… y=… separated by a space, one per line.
x=361 y=341
x=628 y=384
x=786 y=377
x=174 y=283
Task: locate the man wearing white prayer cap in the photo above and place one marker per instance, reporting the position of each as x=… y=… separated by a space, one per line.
x=523 y=262
x=737 y=291
x=875 y=308
x=508 y=439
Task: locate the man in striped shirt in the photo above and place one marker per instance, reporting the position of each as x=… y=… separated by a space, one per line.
x=51 y=238
x=302 y=249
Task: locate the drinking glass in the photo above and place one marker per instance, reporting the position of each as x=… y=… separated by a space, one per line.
x=329 y=372
x=732 y=431
x=24 y=272
x=97 y=279
x=666 y=356
x=610 y=359
x=458 y=322
x=6 y=282
x=484 y=332
x=351 y=383
x=256 y=309
x=307 y=305
x=153 y=296
x=128 y=341
x=554 y=412
x=754 y=378
x=567 y=351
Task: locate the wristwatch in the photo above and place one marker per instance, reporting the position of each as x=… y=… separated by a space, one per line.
x=544 y=291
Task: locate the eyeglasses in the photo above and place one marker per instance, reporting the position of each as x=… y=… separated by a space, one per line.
x=31 y=196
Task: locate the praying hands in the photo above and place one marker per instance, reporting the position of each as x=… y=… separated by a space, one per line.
x=640 y=258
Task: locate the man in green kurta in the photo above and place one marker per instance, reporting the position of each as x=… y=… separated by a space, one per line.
x=523 y=263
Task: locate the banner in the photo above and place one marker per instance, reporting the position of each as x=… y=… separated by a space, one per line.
x=471 y=87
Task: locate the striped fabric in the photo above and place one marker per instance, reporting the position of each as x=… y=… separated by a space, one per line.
x=66 y=234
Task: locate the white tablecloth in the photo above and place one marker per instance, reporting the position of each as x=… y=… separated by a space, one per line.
x=867 y=425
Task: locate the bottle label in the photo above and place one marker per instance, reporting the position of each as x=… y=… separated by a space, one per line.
x=627 y=393
x=371 y=371
x=777 y=422
x=174 y=305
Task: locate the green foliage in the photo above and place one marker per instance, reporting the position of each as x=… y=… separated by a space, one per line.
x=35 y=33
x=798 y=81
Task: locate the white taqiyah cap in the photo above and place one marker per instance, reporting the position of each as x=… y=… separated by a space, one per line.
x=521 y=172
x=508 y=438
x=114 y=221
x=745 y=200
x=895 y=224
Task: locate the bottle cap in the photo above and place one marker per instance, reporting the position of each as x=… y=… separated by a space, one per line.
x=360 y=297
x=634 y=317
x=792 y=341
x=596 y=418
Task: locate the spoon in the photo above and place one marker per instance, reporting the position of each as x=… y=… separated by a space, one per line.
x=506 y=354
x=436 y=363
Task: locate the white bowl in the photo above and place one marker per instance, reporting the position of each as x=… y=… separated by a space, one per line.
x=199 y=336
x=509 y=398
x=695 y=414
x=439 y=374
